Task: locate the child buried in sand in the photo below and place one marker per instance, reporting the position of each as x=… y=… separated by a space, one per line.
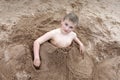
x=61 y=37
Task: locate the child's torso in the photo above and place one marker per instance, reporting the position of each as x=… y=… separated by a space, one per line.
x=61 y=40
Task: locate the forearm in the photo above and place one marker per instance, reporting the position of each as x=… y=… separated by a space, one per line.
x=80 y=44
x=81 y=47
x=36 y=50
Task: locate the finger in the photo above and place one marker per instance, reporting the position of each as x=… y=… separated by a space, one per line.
x=36 y=67
x=80 y=51
x=36 y=63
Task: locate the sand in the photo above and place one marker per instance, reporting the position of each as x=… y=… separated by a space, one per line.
x=21 y=22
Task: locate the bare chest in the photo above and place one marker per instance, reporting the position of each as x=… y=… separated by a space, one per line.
x=62 y=41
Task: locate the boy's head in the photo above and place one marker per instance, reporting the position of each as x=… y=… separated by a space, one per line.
x=69 y=22
x=72 y=17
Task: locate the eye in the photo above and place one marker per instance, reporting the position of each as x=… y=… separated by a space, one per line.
x=71 y=27
x=66 y=24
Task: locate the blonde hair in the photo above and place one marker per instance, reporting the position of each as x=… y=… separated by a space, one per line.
x=72 y=17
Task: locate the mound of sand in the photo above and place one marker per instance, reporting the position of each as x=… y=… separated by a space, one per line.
x=22 y=22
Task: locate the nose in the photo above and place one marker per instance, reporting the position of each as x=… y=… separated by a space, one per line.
x=66 y=28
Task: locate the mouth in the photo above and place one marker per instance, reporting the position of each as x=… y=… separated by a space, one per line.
x=66 y=31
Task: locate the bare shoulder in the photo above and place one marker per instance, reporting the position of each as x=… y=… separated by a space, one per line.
x=73 y=34
x=53 y=32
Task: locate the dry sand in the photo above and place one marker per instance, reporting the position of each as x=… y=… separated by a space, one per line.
x=23 y=21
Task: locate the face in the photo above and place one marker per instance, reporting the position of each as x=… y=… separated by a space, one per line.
x=67 y=26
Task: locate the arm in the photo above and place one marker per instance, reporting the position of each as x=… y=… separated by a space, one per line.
x=36 y=46
x=81 y=46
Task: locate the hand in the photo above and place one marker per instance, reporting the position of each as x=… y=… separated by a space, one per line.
x=82 y=48
x=37 y=62
x=82 y=55
x=82 y=51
